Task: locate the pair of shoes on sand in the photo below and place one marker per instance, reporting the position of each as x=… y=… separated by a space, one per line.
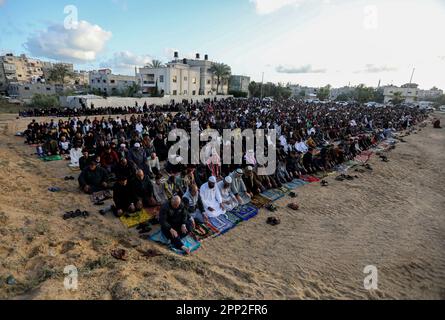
x=273 y=221
x=75 y=214
x=324 y=183
x=120 y=254
x=293 y=206
x=69 y=178
x=292 y=194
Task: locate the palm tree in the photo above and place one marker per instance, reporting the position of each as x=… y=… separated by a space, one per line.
x=155 y=64
x=221 y=71
x=397 y=98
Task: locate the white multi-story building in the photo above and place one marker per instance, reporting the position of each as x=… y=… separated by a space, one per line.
x=186 y=77
x=409 y=92
x=108 y=83
x=430 y=94
x=175 y=78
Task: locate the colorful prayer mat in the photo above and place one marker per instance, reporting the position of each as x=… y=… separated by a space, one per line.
x=221 y=223
x=259 y=201
x=203 y=232
x=136 y=219
x=51 y=158
x=296 y=183
x=246 y=212
x=273 y=194
x=188 y=242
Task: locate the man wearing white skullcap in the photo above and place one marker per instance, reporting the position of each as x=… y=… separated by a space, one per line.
x=229 y=200
x=211 y=198
x=238 y=187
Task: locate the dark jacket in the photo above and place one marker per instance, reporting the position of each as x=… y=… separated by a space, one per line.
x=123 y=196
x=172 y=218
x=142 y=189
x=93 y=178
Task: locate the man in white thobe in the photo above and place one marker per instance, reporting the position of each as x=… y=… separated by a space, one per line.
x=228 y=198
x=211 y=199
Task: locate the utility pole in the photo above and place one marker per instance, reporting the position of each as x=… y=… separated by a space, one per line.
x=262 y=84
x=412 y=75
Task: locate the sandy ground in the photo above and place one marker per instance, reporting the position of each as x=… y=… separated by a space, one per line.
x=392 y=217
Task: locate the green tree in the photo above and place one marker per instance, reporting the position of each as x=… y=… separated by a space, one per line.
x=397 y=98
x=59 y=73
x=222 y=72
x=343 y=97
x=324 y=93
x=44 y=101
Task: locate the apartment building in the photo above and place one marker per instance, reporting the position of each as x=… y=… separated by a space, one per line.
x=108 y=83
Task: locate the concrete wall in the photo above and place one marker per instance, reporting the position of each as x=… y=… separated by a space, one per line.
x=130 y=102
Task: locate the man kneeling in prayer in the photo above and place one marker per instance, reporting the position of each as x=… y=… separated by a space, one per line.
x=211 y=198
x=238 y=187
x=175 y=222
x=193 y=202
x=123 y=197
x=229 y=200
x=93 y=178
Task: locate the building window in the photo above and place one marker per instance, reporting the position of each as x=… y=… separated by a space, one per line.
x=194 y=92
x=92 y=81
x=209 y=82
x=185 y=92
x=48 y=89
x=175 y=92
x=175 y=79
x=104 y=81
x=185 y=78
x=145 y=82
x=161 y=79
x=112 y=81
x=26 y=88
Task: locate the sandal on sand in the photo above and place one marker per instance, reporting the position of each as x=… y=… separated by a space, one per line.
x=150 y=253
x=293 y=206
x=273 y=221
x=292 y=194
x=143 y=226
x=271 y=208
x=120 y=254
x=324 y=183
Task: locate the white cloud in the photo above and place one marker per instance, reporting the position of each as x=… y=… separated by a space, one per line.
x=371 y=68
x=77 y=45
x=302 y=69
x=269 y=6
x=126 y=61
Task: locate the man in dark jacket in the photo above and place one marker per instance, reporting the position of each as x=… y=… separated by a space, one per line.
x=123 y=169
x=123 y=197
x=175 y=222
x=142 y=189
x=93 y=178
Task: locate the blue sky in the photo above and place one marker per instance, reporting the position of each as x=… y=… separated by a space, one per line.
x=311 y=42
